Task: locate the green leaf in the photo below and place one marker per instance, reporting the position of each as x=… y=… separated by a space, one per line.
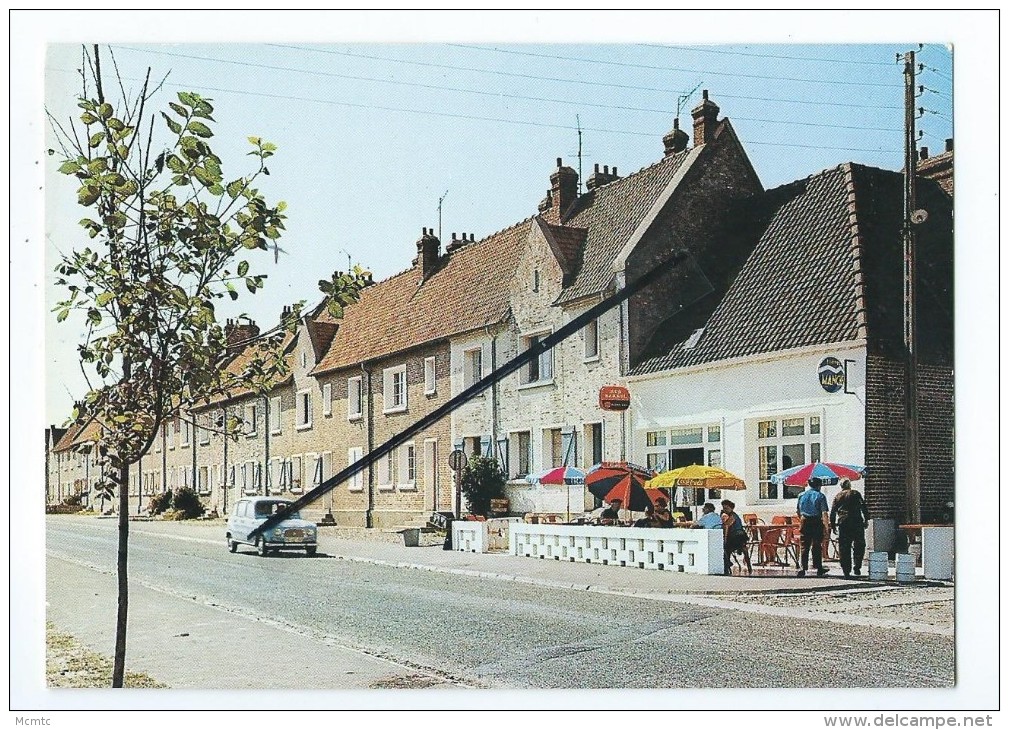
x=269 y=147
x=96 y=139
x=105 y=111
x=243 y=268
x=115 y=124
x=235 y=187
x=203 y=176
x=62 y=315
x=69 y=167
x=94 y=316
x=255 y=140
x=187 y=98
x=200 y=129
x=179 y=109
x=88 y=118
x=104 y=298
x=250 y=284
x=175 y=164
x=172 y=124
x=216 y=189
x=231 y=291
x=87 y=195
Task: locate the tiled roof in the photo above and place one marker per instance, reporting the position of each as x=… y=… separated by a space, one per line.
x=799 y=285
x=469 y=290
x=238 y=364
x=67 y=439
x=88 y=433
x=570 y=243
x=611 y=213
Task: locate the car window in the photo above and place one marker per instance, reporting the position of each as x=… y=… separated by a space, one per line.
x=265 y=509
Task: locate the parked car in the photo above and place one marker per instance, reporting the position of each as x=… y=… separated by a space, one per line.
x=292 y=533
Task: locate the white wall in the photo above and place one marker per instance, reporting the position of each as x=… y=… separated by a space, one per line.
x=737 y=394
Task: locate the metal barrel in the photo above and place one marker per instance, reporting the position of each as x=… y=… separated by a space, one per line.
x=879 y=566
x=905 y=568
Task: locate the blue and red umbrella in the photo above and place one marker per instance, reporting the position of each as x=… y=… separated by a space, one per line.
x=828 y=472
x=558 y=475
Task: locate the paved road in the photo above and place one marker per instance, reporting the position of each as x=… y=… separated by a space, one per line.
x=391 y=627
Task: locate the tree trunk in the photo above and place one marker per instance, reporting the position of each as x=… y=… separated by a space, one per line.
x=119 y=666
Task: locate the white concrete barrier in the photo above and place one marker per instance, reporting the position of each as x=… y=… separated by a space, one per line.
x=937 y=553
x=482 y=537
x=678 y=549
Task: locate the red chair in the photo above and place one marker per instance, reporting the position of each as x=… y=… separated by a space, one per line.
x=772 y=540
x=779 y=520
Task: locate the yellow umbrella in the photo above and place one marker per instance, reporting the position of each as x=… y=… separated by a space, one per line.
x=696 y=476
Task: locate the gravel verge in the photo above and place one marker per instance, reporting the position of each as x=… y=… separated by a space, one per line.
x=71 y=665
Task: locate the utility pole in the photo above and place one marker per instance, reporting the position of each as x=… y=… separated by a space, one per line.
x=913 y=471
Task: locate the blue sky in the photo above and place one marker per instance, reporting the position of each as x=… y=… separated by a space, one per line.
x=372 y=135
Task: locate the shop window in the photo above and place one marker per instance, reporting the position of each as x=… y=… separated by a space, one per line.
x=714 y=434
x=655 y=438
x=681 y=436
x=783 y=444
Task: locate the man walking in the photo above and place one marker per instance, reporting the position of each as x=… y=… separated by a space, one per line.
x=812 y=510
x=849 y=516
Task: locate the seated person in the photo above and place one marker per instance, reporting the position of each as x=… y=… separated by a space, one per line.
x=650 y=519
x=662 y=515
x=611 y=515
x=709 y=519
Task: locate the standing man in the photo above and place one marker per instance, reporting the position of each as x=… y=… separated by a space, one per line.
x=849 y=516
x=813 y=516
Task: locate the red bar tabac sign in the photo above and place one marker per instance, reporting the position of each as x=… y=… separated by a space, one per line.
x=614 y=398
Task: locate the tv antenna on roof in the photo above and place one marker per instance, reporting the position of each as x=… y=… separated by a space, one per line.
x=682 y=98
x=440 y=201
x=578 y=122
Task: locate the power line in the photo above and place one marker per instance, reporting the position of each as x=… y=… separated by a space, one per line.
x=673 y=68
x=552 y=100
x=427 y=112
x=765 y=55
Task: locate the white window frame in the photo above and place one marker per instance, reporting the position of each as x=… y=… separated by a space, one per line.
x=203 y=430
x=590 y=335
x=544 y=363
x=406 y=453
x=327 y=399
x=275 y=475
x=326 y=457
x=251 y=417
x=297 y=473
x=390 y=378
x=472 y=366
x=276 y=409
x=355 y=392
x=203 y=479
x=303 y=414
x=386 y=472
x=780 y=441
x=430 y=383
x=356 y=482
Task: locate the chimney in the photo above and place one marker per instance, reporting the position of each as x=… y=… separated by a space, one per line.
x=598 y=178
x=923 y=153
x=949 y=144
x=428 y=251
x=238 y=334
x=705 y=117
x=458 y=243
x=563 y=192
x=676 y=140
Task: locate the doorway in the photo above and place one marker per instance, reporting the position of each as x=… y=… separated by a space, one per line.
x=686 y=457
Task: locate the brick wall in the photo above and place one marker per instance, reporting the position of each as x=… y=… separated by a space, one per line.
x=885 y=443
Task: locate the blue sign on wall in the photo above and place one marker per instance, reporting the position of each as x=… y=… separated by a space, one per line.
x=831 y=374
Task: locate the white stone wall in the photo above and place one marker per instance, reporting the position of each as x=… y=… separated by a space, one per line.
x=736 y=395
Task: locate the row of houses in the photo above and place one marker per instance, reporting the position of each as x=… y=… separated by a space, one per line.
x=778 y=341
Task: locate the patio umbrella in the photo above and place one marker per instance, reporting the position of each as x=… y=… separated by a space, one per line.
x=620 y=480
x=696 y=476
x=558 y=475
x=829 y=472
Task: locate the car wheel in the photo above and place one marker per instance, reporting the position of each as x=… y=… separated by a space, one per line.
x=261 y=547
x=310 y=551
x=232 y=545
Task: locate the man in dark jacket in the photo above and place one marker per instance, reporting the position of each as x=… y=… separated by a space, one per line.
x=848 y=517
